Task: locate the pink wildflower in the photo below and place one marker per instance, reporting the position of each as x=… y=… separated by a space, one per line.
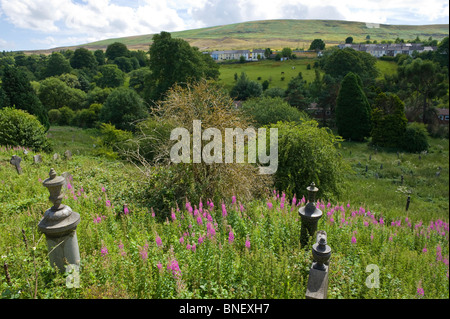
x=269 y=205
x=158 y=241
x=353 y=240
x=104 y=251
x=247 y=243
x=224 y=210
x=230 y=237
x=420 y=291
x=233 y=199
x=103 y=189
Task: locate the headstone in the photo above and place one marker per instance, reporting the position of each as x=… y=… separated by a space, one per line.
x=25 y=152
x=370 y=157
x=381 y=166
x=408 y=200
x=367 y=168
x=68 y=155
x=15 y=160
x=55 y=156
x=37 y=158
x=438 y=174
x=317 y=285
x=401 y=179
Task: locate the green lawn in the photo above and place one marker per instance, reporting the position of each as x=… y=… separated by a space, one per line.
x=268 y=70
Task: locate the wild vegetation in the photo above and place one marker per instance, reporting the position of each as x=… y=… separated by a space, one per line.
x=154 y=229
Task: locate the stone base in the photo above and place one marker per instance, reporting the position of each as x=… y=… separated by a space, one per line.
x=317 y=284
x=63 y=251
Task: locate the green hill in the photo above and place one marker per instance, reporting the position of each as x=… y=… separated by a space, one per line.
x=284 y=33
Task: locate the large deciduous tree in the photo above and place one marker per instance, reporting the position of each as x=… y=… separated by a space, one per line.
x=174 y=61
x=426 y=79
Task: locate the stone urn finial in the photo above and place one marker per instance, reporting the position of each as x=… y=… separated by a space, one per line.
x=54 y=184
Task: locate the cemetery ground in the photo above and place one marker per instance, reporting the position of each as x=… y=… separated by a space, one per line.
x=232 y=249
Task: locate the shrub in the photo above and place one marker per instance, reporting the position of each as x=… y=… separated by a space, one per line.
x=388 y=120
x=67 y=115
x=19 y=128
x=268 y=110
x=167 y=181
x=416 y=138
x=123 y=107
x=54 y=116
x=246 y=88
x=307 y=153
x=274 y=92
x=112 y=141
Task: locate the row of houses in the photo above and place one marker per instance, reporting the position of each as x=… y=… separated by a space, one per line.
x=379 y=50
x=249 y=55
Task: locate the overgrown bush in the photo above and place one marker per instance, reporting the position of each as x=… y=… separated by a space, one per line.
x=113 y=141
x=268 y=110
x=306 y=154
x=168 y=182
x=19 y=128
x=415 y=139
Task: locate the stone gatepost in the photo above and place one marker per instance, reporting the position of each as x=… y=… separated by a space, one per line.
x=317 y=286
x=309 y=215
x=59 y=226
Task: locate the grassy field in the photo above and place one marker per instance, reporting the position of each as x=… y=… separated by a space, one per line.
x=232 y=249
x=270 y=70
x=273 y=71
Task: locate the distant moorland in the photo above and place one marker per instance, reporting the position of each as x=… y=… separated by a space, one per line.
x=280 y=33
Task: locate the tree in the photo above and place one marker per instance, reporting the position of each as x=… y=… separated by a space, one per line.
x=245 y=88
x=57 y=64
x=111 y=76
x=341 y=62
x=388 y=120
x=137 y=79
x=286 y=52
x=122 y=108
x=83 y=58
x=55 y=94
x=99 y=57
x=426 y=78
x=115 y=50
x=317 y=45
x=174 y=61
x=297 y=92
x=19 y=93
x=349 y=40
x=352 y=110
x=267 y=53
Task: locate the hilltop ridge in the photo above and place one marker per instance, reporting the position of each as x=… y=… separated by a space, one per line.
x=278 y=34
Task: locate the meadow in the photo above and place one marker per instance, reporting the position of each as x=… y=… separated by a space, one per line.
x=279 y=73
x=232 y=248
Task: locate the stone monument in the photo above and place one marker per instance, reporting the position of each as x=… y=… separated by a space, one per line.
x=59 y=226
x=309 y=215
x=317 y=286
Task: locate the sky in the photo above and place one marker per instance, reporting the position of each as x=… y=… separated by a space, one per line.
x=45 y=24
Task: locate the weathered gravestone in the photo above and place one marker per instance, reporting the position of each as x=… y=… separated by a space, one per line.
x=37 y=158
x=59 y=226
x=317 y=286
x=15 y=160
x=55 y=156
x=68 y=155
